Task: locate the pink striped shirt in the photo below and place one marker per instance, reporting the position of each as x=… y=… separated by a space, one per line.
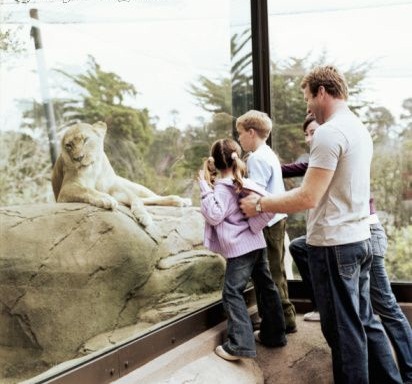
x=227 y=230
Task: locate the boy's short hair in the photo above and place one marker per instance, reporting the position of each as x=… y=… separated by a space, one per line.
x=257 y=120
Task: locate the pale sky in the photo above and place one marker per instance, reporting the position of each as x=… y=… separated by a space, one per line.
x=369 y=32
x=162 y=46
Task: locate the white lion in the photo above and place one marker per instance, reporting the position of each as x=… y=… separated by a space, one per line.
x=83 y=173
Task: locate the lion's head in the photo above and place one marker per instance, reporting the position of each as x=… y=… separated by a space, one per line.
x=82 y=144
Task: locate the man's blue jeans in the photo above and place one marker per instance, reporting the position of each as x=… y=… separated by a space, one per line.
x=384 y=304
x=361 y=353
x=239 y=270
x=383 y=300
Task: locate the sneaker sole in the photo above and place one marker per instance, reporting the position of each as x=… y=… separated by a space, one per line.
x=312 y=320
x=225 y=355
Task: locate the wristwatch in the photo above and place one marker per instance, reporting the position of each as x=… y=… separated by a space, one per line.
x=258 y=205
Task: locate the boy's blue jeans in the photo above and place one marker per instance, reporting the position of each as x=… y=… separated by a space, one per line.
x=239 y=270
x=360 y=350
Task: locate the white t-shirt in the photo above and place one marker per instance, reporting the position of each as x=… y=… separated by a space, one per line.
x=344 y=145
x=264 y=168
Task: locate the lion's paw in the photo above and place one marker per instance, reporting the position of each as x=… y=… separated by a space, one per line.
x=178 y=201
x=143 y=217
x=106 y=202
x=186 y=202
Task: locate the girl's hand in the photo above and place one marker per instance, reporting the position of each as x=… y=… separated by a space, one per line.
x=201 y=175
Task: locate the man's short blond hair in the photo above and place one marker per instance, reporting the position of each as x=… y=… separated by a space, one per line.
x=256 y=120
x=328 y=77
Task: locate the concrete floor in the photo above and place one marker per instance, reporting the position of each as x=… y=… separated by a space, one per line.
x=306 y=359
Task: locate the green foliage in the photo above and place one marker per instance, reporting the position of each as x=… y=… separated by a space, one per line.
x=389 y=173
x=10 y=44
x=24 y=170
x=288 y=106
x=34 y=118
x=165 y=162
x=407 y=116
x=213 y=96
x=398 y=259
x=200 y=139
x=380 y=121
x=235 y=92
x=166 y=150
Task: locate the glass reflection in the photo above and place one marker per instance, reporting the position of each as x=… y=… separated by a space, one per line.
x=166 y=77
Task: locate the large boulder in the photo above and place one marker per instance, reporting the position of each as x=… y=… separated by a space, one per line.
x=72 y=272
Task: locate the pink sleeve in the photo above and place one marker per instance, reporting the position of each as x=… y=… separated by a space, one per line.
x=214 y=203
x=257 y=223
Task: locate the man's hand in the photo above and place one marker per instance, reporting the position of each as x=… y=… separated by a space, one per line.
x=248 y=204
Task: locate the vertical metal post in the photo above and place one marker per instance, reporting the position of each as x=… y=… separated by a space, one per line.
x=261 y=60
x=44 y=87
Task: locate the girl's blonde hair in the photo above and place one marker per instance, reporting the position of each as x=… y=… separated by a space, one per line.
x=224 y=154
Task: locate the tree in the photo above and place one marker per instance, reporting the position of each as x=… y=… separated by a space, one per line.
x=407 y=116
x=236 y=91
x=25 y=170
x=34 y=118
x=10 y=43
x=213 y=96
x=380 y=121
x=392 y=164
x=201 y=138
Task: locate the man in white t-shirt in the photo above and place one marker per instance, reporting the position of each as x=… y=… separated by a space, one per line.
x=335 y=189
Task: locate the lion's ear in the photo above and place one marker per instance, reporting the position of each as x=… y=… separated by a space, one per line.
x=100 y=128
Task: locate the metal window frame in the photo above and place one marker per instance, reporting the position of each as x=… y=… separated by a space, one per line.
x=260 y=56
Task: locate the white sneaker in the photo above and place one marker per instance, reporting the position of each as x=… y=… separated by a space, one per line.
x=257 y=336
x=311 y=316
x=225 y=355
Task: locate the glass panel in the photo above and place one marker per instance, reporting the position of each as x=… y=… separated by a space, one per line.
x=165 y=77
x=370 y=43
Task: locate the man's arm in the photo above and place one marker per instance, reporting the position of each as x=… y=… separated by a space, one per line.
x=308 y=195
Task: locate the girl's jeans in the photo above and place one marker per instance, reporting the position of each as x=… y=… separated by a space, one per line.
x=239 y=270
